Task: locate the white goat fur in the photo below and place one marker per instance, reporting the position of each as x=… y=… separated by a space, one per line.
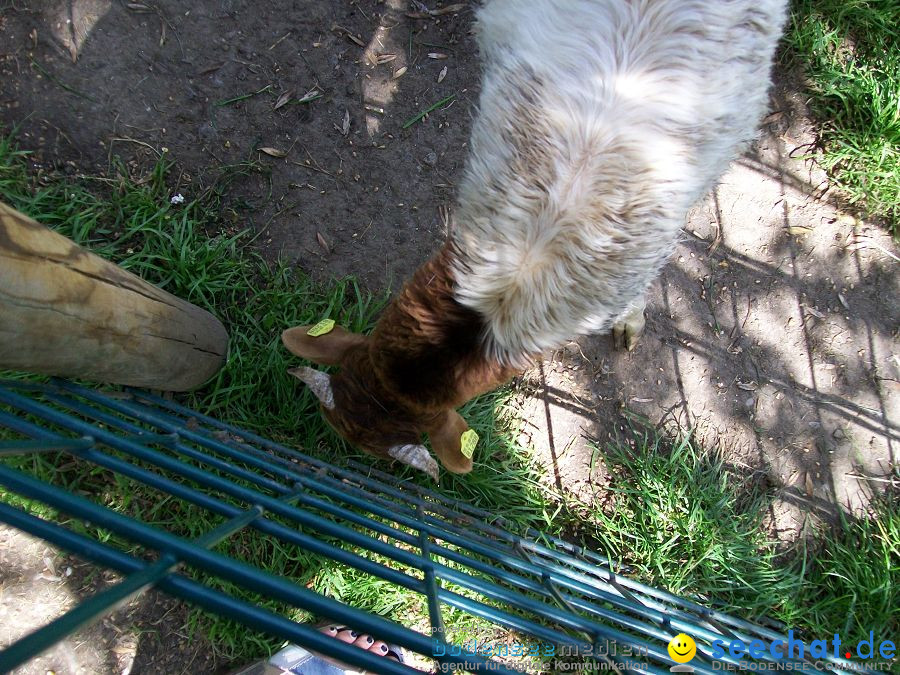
x=601 y=123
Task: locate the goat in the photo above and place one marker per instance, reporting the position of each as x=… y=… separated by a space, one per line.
x=601 y=123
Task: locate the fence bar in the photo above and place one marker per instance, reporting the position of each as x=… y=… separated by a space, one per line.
x=488 y=589
x=264 y=525
x=209 y=480
x=252 y=616
x=95 y=607
x=432 y=586
x=623 y=582
x=450 y=554
x=219 y=565
x=387 y=483
x=665 y=617
x=10 y=448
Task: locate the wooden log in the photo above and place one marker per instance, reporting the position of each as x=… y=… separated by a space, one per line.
x=65 y=311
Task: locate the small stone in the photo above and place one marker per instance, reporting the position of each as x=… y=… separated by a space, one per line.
x=207 y=132
x=430 y=159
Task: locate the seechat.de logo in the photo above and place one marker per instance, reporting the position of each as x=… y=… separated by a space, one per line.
x=682 y=649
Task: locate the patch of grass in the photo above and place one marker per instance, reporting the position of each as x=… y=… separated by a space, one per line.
x=685 y=521
x=850 y=578
x=849 y=51
x=187 y=251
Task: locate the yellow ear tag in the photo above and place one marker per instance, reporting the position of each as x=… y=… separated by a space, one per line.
x=324 y=326
x=468 y=441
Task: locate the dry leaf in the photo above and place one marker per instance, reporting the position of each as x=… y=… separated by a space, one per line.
x=442 y=74
x=385 y=58
x=809 y=486
x=746 y=386
x=283 y=99
x=816 y=313
x=310 y=95
x=347 y=34
x=799 y=229
x=429 y=13
x=48 y=577
x=449 y=9
x=857 y=241
x=400 y=72
x=437 y=55
x=138 y=7
x=273 y=152
x=322 y=242
x=211 y=69
x=345 y=127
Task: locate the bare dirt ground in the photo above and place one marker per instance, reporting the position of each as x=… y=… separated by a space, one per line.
x=772 y=333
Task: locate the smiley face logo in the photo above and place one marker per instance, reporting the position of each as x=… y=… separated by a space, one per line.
x=682 y=648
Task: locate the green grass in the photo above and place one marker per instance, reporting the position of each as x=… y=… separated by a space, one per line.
x=704 y=526
x=849 y=52
x=854 y=575
x=683 y=520
x=677 y=515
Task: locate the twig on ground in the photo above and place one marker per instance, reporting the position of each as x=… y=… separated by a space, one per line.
x=55 y=80
x=242 y=97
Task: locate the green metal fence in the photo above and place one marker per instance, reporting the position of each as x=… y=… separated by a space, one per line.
x=550 y=597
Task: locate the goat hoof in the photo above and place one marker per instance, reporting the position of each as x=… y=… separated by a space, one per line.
x=627 y=331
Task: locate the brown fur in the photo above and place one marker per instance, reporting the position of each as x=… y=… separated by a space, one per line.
x=424 y=359
x=427 y=347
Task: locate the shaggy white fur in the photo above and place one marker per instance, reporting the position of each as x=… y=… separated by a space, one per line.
x=601 y=123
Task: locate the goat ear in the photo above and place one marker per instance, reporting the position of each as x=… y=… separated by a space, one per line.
x=319 y=383
x=446 y=439
x=326 y=350
x=416 y=456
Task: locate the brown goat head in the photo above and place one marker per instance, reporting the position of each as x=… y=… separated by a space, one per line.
x=424 y=359
x=358 y=405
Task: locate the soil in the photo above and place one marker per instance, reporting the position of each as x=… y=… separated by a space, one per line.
x=93 y=79
x=771 y=334
x=148 y=634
